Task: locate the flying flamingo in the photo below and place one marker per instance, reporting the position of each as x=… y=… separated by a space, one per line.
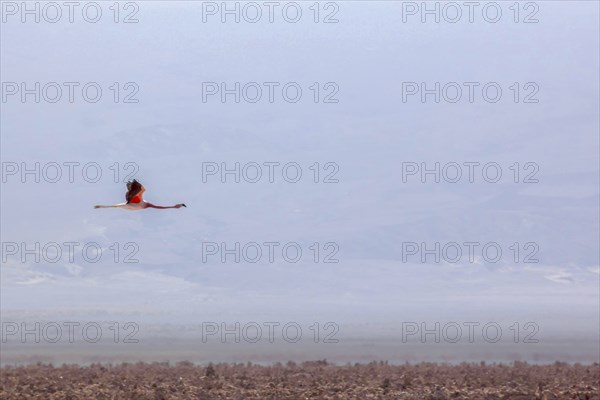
x=135 y=190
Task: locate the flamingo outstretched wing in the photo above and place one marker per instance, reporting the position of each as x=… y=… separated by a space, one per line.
x=135 y=190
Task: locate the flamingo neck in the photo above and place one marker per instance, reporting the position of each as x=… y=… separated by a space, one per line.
x=150 y=205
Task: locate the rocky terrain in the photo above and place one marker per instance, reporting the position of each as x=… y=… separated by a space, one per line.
x=309 y=380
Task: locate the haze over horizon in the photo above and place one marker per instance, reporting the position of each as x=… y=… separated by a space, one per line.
x=174 y=136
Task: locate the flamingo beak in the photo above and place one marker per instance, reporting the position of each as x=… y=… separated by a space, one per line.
x=184 y=205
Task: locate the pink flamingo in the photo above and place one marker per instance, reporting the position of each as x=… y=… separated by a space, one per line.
x=135 y=190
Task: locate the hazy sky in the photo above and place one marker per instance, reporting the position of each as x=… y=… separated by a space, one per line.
x=368 y=126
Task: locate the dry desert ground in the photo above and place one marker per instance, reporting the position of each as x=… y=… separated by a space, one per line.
x=308 y=380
